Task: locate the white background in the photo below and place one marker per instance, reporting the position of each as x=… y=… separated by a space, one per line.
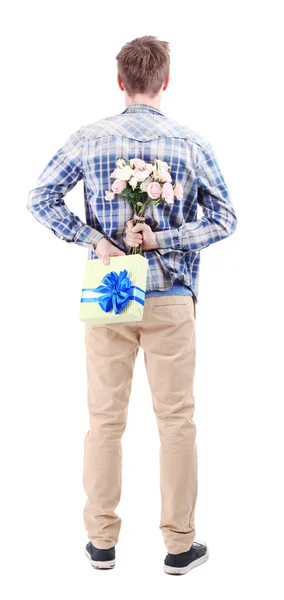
x=59 y=73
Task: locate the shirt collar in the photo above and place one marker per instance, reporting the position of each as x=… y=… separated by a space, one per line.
x=142 y=107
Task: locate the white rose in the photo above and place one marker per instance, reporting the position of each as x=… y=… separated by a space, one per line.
x=133 y=182
x=137 y=163
x=145 y=184
x=164 y=175
x=125 y=173
x=114 y=173
x=120 y=163
x=162 y=165
x=156 y=174
x=141 y=175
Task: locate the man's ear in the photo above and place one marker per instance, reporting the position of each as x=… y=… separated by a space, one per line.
x=120 y=84
x=166 y=82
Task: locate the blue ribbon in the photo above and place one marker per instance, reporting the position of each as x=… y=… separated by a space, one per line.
x=116 y=292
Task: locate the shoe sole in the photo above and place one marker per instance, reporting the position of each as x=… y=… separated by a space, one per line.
x=100 y=564
x=183 y=570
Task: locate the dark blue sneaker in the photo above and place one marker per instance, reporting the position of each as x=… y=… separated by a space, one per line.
x=100 y=558
x=178 y=564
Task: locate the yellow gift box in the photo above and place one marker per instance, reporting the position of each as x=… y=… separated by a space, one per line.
x=114 y=293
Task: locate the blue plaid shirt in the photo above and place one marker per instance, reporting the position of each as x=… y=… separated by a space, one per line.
x=142 y=131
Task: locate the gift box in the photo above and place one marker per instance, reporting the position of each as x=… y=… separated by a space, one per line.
x=114 y=293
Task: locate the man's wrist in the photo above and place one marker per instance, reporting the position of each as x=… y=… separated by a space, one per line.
x=155 y=244
x=97 y=241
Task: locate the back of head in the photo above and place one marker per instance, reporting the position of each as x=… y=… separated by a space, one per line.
x=143 y=65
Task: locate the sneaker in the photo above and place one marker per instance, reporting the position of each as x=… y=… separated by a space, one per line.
x=178 y=564
x=100 y=558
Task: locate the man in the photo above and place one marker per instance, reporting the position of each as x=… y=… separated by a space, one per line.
x=172 y=237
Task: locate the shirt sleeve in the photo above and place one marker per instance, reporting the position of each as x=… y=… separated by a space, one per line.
x=46 y=200
x=219 y=217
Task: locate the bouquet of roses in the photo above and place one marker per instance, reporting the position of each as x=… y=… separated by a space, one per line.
x=143 y=184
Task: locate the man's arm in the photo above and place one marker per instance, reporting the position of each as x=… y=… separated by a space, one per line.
x=46 y=200
x=219 y=218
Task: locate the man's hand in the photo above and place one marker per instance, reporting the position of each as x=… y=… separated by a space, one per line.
x=104 y=249
x=147 y=236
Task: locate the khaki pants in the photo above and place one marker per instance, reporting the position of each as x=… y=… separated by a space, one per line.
x=167 y=336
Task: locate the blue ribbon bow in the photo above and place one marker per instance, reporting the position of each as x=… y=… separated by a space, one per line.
x=116 y=292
